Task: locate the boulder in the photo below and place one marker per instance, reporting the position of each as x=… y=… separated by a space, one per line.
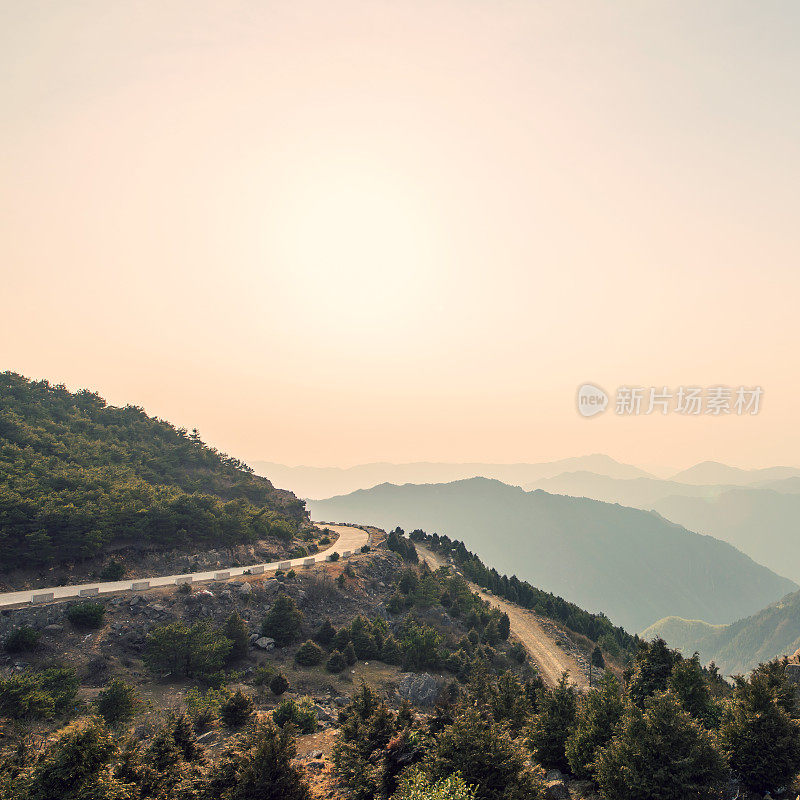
x=555 y=790
x=265 y=643
x=245 y=590
x=420 y=689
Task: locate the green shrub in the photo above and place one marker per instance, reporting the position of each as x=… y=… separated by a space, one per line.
x=391 y=652
x=86 y=615
x=204 y=707
x=325 y=540
x=21 y=640
x=278 y=685
x=350 y=654
x=197 y=652
x=334 y=556
x=113 y=571
x=325 y=634
x=599 y=712
x=300 y=713
x=237 y=709
x=283 y=621
x=310 y=654
x=336 y=662
x=235 y=630
x=38 y=694
x=258 y=767
x=660 y=753
x=116 y=702
x=363 y=641
x=263 y=674
x=485 y=755
x=759 y=739
x=552 y=724
x=416 y=785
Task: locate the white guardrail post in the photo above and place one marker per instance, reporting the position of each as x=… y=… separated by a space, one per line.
x=221 y=576
x=181 y=579
x=89 y=592
x=42 y=597
x=257 y=570
x=308 y=562
x=285 y=565
x=138 y=586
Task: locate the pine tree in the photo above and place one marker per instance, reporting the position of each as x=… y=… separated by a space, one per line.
x=283 y=621
x=310 y=654
x=350 y=654
x=362 y=639
x=336 y=662
x=278 y=685
x=325 y=634
x=759 y=739
x=660 y=753
x=236 y=631
x=552 y=724
x=598 y=713
x=391 y=652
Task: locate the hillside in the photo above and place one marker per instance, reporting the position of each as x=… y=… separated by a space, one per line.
x=78 y=475
x=742 y=645
x=630 y=564
x=322 y=482
x=761 y=520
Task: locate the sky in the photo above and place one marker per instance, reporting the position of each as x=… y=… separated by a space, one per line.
x=337 y=232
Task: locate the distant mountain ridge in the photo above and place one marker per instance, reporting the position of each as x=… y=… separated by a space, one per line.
x=761 y=519
x=627 y=563
x=322 y=482
x=713 y=472
x=741 y=646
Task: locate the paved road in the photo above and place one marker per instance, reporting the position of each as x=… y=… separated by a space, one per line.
x=549 y=657
x=350 y=539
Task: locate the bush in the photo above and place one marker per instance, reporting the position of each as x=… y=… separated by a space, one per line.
x=196 y=652
x=38 y=694
x=350 y=655
x=325 y=634
x=204 y=707
x=390 y=652
x=362 y=639
x=598 y=713
x=660 y=753
x=74 y=766
x=336 y=662
x=485 y=755
x=235 y=630
x=551 y=725
x=300 y=713
x=259 y=768
x=310 y=654
x=334 y=556
x=416 y=785
x=237 y=709
x=21 y=640
x=278 y=685
x=116 y=702
x=283 y=621
x=86 y=615
x=113 y=571
x=759 y=739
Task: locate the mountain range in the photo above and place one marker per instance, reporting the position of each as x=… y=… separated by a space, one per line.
x=741 y=646
x=633 y=565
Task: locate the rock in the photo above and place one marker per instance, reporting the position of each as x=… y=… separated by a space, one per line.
x=322 y=714
x=555 y=790
x=158 y=607
x=340 y=701
x=225 y=595
x=254 y=637
x=420 y=689
x=245 y=590
x=208 y=737
x=54 y=628
x=273 y=584
x=316 y=753
x=265 y=643
x=554 y=775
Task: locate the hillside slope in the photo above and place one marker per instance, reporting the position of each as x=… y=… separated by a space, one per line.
x=630 y=564
x=77 y=475
x=742 y=645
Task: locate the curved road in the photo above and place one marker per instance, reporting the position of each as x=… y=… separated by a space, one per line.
x=551 y=659
x=350 y=539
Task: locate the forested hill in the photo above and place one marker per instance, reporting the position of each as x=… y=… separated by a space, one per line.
x=77 y=475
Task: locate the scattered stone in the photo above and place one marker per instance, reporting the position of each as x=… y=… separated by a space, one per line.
x=54 y=628
x=265 y=643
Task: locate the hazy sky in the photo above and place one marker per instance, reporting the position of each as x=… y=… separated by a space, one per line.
x=331 y=232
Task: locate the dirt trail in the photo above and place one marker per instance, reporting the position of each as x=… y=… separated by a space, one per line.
x=551 y=659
